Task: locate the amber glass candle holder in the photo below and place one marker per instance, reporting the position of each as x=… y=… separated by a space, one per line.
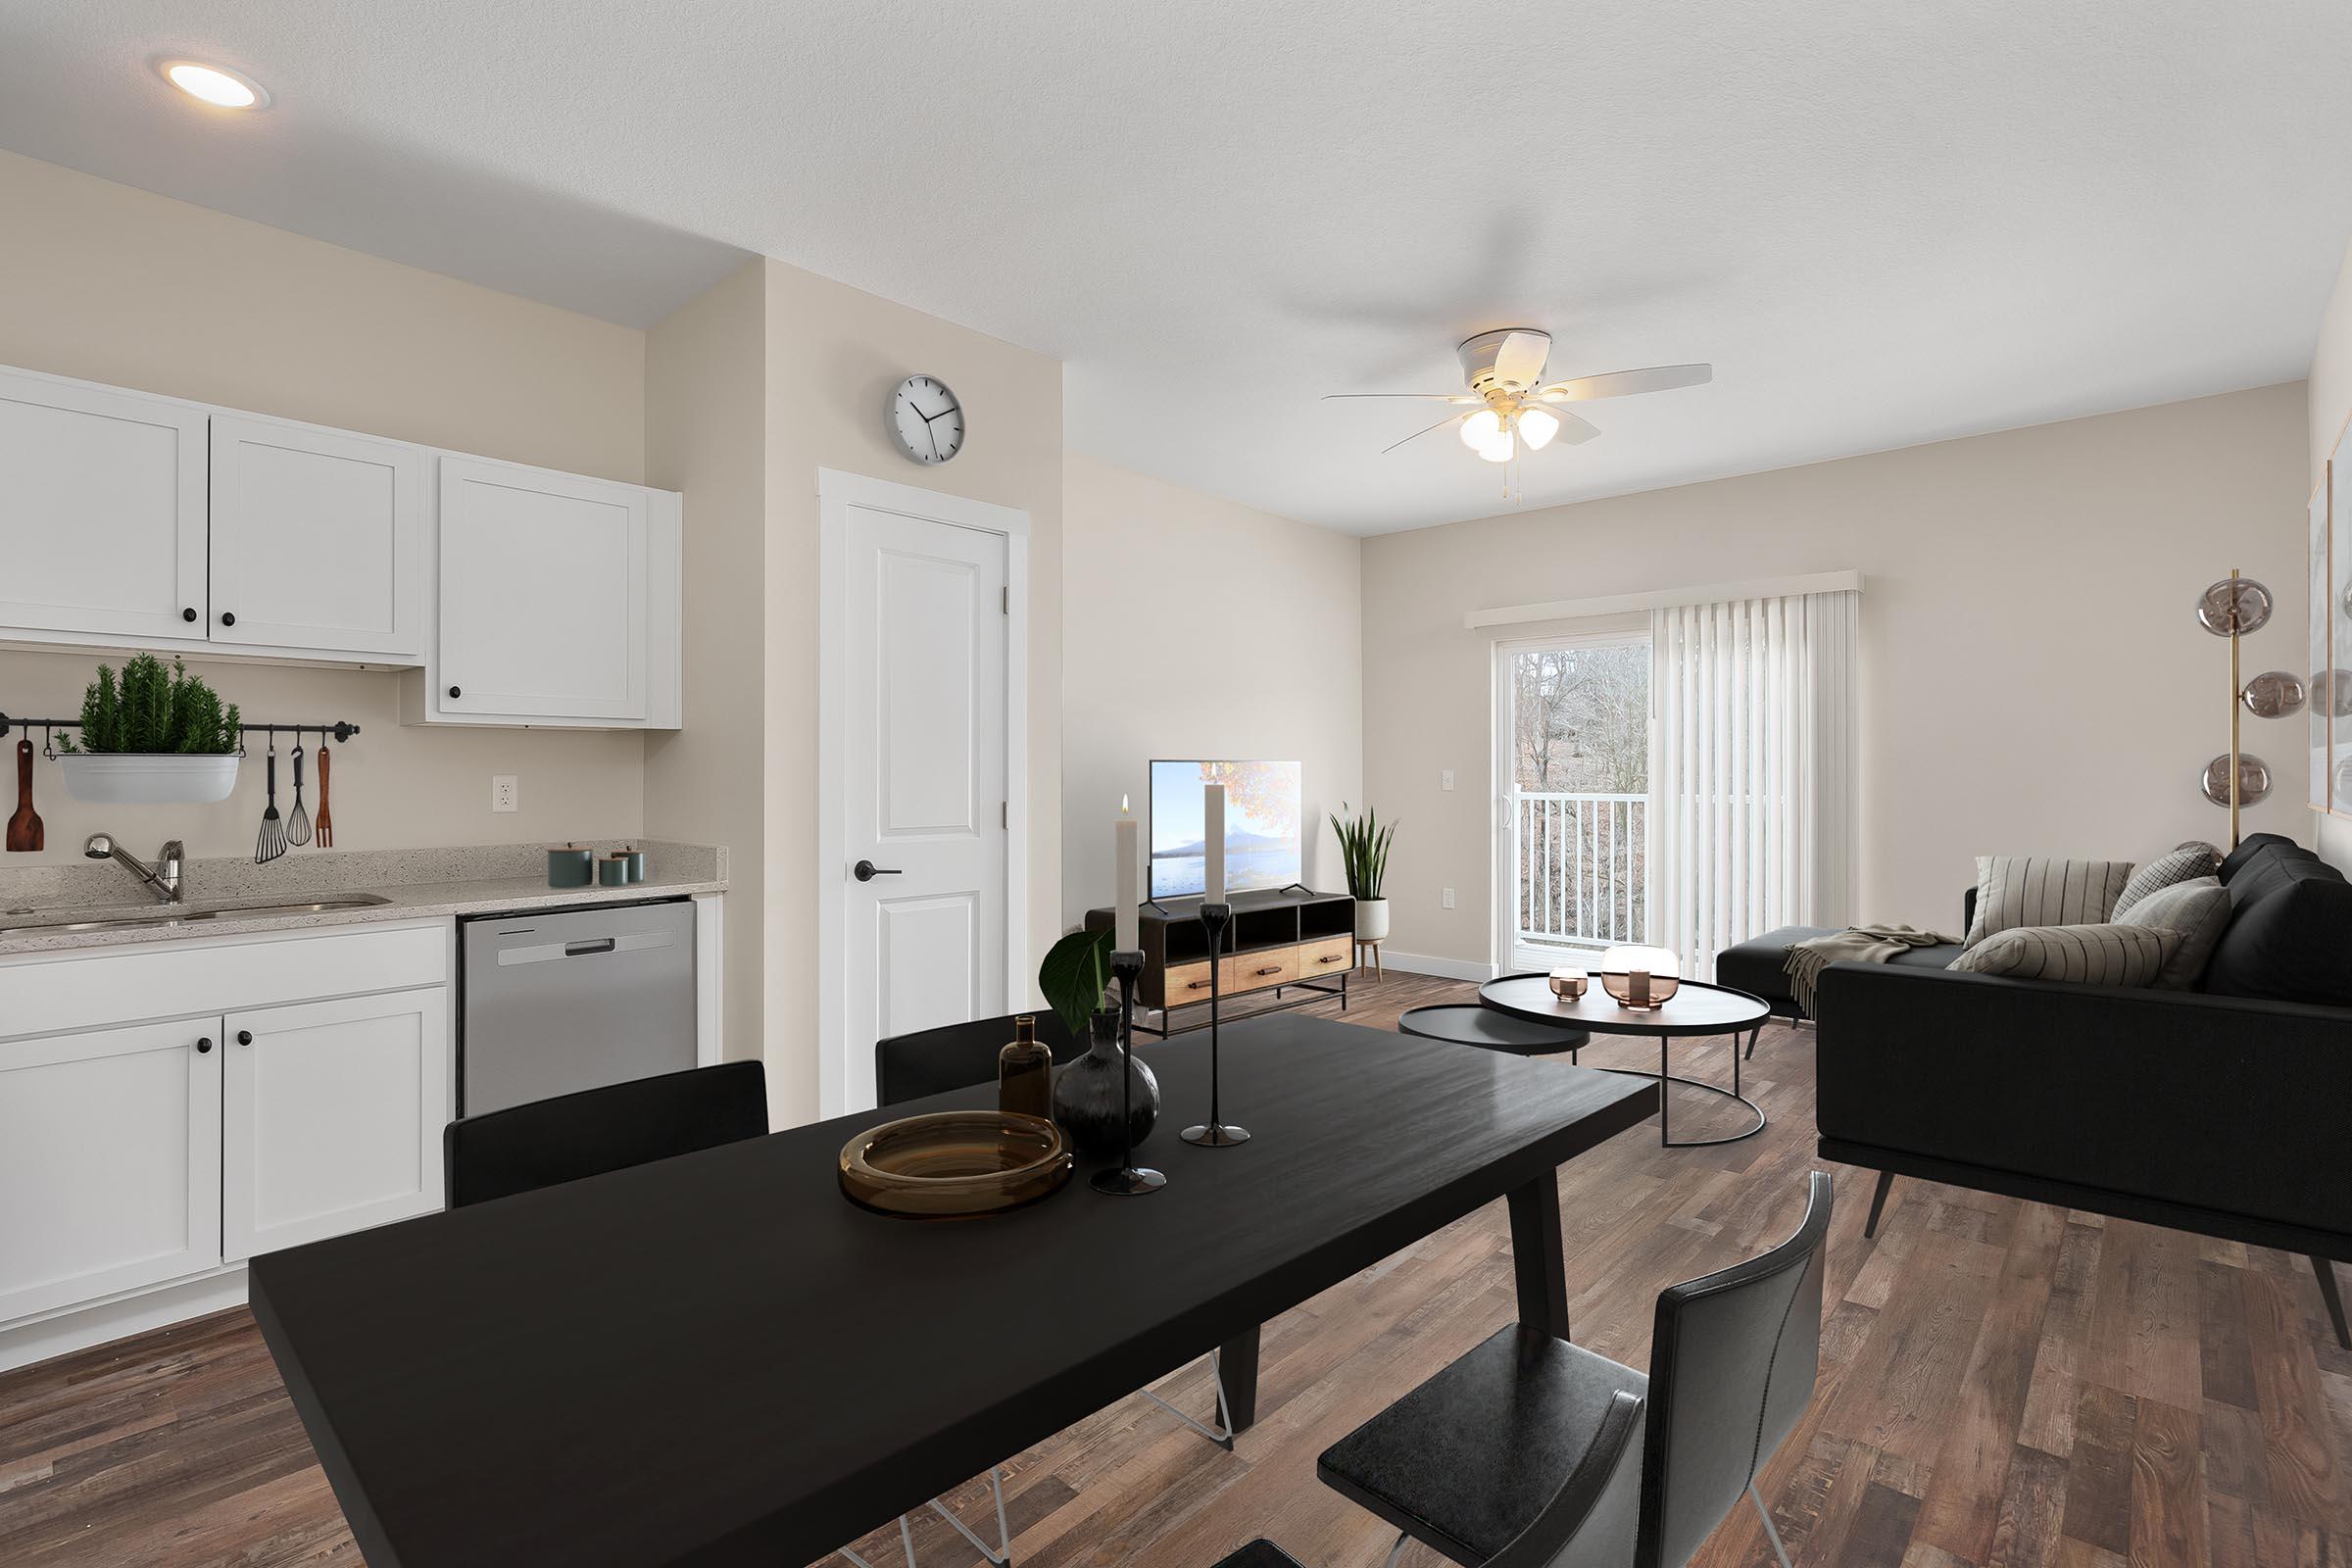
x=1640 y=979
x=1569 y=983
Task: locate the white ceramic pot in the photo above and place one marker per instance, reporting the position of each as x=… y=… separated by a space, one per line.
x=1371 y=919
x=148 y=778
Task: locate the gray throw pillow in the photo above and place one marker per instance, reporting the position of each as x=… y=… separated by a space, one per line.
x=2014 y=889
x=2187 y=863
x=2197 y=911
x=2080 y=954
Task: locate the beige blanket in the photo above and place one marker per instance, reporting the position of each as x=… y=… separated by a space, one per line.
x=1861 y=944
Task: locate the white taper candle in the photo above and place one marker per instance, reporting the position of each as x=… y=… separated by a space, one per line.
x=1213 y=841
x=1126 y=911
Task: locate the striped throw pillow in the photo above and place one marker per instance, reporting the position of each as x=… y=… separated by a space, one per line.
x=2187 y=863
x=2014 y=889
x=2078 y=954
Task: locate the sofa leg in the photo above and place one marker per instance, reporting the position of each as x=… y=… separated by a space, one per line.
x=2324 y=1271
x=1877 y=1204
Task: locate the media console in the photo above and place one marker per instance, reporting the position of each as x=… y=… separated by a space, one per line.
x=1276 y=940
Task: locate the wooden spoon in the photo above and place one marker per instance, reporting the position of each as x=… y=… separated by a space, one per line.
x=24 y=827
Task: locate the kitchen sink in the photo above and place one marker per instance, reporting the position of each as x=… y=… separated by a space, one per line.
x=134 y=916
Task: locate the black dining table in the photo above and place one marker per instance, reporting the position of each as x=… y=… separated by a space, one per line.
x=719 y=1359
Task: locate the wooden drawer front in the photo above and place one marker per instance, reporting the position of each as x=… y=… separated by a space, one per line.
x=1186 y=982
x=1326 y=955
x=1252 y=971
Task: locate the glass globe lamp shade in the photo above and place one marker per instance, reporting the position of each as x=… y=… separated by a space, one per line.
x=1537 y=427
x=2234 y=604
x=1496 y=451
x=2253 y=779
x=1482 y=430
x=2274 y=694
x=1640 y=979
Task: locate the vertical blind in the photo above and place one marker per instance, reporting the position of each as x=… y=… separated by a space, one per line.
x=1753 y=773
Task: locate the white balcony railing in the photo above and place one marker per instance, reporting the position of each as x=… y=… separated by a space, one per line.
x=1580 y=862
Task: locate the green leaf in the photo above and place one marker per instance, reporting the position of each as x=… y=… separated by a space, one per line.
x=1074 y=975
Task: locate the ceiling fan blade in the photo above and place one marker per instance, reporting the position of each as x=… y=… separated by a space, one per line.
x=1451 y=418
x=1425 y=397
x=1520 y=360
x=1625 y=384
x=1574 y=431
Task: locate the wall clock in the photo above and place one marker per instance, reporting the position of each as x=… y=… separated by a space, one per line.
x=925 y=420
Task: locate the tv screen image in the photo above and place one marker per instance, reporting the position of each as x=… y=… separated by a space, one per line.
x=1261 y=825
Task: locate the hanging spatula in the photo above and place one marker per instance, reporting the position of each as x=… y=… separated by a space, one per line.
x=25 y=826
x=272 y=842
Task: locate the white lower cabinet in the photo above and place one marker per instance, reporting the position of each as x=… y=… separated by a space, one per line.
x=110 y=1158
x=331 y=1114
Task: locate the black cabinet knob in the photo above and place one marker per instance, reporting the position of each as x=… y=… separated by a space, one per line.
x=244 y=1036
x=204 y=1045
x=867 y=870
x=455 y=691
x=228 y=619
x=188 y=613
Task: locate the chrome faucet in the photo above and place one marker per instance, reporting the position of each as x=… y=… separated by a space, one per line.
x=160 y=879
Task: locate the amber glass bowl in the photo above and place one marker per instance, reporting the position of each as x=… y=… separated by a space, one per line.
x=955 y=1163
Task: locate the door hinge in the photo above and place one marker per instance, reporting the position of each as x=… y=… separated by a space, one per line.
x=1007 y=594
x=1004 y=813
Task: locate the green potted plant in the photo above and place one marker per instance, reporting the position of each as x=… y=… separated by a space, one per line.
x=159 y=737
x=1365 y=854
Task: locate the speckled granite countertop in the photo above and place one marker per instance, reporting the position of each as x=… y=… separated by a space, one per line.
x=414 y=885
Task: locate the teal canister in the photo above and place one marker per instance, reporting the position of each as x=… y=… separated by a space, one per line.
x=613 y=872
x=636 y=860
x=571 y=867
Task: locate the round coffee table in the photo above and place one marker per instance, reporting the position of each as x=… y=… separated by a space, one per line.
x=1695 y=1010
x=1467 y=1023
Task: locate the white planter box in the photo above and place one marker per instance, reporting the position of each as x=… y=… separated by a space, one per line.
x=1371 y=919
x=148 y=778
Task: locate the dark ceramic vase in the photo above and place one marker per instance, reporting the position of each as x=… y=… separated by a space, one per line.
x=1089 y=1095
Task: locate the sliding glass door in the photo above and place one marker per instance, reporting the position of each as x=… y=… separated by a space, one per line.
x=1572 y=775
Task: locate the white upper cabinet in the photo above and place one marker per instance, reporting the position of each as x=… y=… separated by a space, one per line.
x=316 y=540
x=557 y=600
x=102 y=510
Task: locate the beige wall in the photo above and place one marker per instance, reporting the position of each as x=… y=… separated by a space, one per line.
x=111 y=284
x=1200 y=627
x=706 y=435
x=833 y=355
x=2034 y=680
x=2330 y=411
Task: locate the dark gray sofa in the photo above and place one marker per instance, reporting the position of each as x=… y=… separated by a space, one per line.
x=2222 y=1111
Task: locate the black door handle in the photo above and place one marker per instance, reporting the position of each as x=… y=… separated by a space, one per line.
x=227 y=619
x=867 y=870
x=204 y=1045
x=244 y=1036
x=188 y=613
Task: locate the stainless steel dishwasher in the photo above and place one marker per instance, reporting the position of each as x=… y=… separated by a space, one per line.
x=573 y=998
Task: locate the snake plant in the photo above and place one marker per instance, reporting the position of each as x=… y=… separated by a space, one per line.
x=1363 y=852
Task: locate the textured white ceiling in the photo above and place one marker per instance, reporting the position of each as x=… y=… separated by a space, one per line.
x=1883 y=224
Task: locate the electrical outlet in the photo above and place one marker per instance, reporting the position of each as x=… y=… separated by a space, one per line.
x=1449 y=898
x=1445 y=778
x=505 y=795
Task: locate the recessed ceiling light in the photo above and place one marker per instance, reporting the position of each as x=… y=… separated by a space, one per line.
x=220 y=88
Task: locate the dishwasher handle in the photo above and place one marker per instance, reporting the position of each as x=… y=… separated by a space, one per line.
x=583 y=950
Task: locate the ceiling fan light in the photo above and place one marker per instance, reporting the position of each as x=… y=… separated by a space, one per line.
x=1537 y=427
x=1497 y=450
x=1482 y=429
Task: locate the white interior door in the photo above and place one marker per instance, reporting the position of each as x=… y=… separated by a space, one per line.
x=923 y=772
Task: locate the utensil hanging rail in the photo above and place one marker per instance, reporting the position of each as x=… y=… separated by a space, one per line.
x=339 y=730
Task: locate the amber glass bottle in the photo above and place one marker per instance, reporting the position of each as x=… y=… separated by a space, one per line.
x=1025 y=1072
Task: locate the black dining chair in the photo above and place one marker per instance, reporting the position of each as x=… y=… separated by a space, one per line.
x=564 y=1138
x=546 y=1141
x=1530 y=1451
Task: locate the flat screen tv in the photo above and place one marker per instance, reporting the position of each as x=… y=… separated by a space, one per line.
x=1261 y=825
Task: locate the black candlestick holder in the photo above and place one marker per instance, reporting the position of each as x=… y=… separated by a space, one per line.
x=1216 y=1132
x=1128 y=1179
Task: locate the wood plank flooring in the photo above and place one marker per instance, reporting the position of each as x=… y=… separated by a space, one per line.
x=2003 y=1384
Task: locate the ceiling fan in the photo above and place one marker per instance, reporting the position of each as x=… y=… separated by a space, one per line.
x=1510 y=407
